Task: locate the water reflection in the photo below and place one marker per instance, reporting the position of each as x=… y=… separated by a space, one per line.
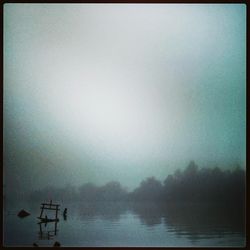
x=47 y=230
x=110 y=211
x=194 y=221
x=149 y=213
x=204 y=220
x=132 y=224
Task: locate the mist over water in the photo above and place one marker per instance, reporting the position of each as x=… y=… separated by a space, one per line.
x=126 y=103
x=194 y=207
x=133 y=224
x=97 y=92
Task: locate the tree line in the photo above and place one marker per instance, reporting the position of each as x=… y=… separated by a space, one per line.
x=191 y=184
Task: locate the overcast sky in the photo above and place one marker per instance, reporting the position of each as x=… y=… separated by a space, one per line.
x=100 y=92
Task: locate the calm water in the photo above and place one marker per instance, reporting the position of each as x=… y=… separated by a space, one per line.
x=123 y=224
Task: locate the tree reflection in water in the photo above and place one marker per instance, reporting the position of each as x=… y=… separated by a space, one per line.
x=193 y=220
x=111 y=211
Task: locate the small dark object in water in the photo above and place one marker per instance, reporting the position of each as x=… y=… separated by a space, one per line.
x=35 y=245
x=65 y=217
x=65 y=212
x=23 y=214
x=57 y=244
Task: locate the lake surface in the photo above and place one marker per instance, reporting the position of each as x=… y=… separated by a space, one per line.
x=128 y=224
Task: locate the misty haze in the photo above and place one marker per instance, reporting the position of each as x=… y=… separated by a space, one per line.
x=129 y=118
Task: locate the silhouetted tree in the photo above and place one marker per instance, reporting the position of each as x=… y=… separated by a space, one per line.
x=192 y=184
x=207 y=184
x=112 y=191
x=149 y=189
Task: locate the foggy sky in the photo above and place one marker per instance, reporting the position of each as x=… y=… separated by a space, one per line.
x=100 y=92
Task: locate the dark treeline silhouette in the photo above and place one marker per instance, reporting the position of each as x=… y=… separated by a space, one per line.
x=205 y=184
x=189 y=185
x=194 y=184
x=112 y=191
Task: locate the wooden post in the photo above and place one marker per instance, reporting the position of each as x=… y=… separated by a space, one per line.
x=41 y=211
x=49 y=206
x=56 y=210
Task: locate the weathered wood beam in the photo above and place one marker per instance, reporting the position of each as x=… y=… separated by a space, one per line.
x=50 y=208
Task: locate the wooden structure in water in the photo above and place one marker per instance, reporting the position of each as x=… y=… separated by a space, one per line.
x=49 y=206
x=49 y=223
x=47 y=234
